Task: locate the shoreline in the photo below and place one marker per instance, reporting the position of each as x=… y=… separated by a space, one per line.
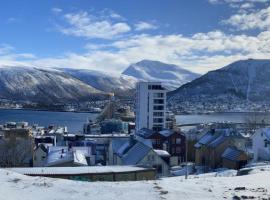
x=184 y=113
x=227 y=112
x=47 y=110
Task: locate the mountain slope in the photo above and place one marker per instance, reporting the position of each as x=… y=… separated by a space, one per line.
x=246 y=80
x=100 y=80
x=172 y=76
x=44 y=86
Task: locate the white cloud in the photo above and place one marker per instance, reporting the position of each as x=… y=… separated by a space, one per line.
x=237 y=1
x=247 y=5
x=243 y=6
x=82 y=24
x=5 y=48
x=200 y=52
x=144 y=26
x=255 y=20
x=56 y=10
x=12 y=20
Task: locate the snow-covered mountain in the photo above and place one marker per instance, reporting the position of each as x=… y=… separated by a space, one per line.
x=45 y=86
x=102 y=81
x=244 y=80
x=172 y=76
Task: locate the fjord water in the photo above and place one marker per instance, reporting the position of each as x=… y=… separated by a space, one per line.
x=74 y=121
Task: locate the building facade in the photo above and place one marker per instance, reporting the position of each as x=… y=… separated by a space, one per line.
x=150 y=106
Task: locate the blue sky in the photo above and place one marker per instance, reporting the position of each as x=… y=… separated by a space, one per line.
x=107 y=35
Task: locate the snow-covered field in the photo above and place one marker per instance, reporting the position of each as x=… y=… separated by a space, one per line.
x=224 y=185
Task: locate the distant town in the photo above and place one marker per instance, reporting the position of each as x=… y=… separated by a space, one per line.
x=125 y=142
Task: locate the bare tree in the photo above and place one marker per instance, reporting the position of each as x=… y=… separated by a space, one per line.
x=256 y=120
x=15 y=152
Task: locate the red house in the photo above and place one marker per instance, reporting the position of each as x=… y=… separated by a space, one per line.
x=171 y=141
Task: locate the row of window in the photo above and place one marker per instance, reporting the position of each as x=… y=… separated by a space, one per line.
x=176 y=150
x=158 y=95
x=155 y=87
x=158 y=120
x=158 y=101
x=158 y=107
x=173 y=141
x=158 y=114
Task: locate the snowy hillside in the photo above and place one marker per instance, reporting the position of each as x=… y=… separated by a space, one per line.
x=45 y=86
x=246 y=80
x=101 y=80
x=172 y=76
x=212 y=186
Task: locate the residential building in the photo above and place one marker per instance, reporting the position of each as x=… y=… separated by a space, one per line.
x=261 y=144
x=233 y=158
x=62 y=156
x=212 y=145
x=169 y=140
x=138 y=152
x=150 y=106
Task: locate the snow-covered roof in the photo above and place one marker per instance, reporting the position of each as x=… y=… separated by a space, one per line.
x=147 y=142
x=217 y=141
x=162 y=153
x=122 y=149
x=117 y=143
x=166 y=132
x=59 y=155
x=145 y=132
x=231 y=153
x=75 y=170
x=205 y=139
x=136 y=153
x=79 y=158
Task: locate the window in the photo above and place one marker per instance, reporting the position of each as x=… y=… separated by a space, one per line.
x=178 y=150
x=173 y=150
x=158 y=120
x=155 y=87
x=158 y=95
x=158 y=107
x=158 y=114
x=150 y=158
x=178 y=140
x=158 y=101
x=173 y=141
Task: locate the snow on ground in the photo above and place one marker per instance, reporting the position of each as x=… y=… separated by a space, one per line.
x=208 y=186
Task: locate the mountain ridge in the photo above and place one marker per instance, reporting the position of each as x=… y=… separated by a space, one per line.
x=43 y=85
x=172 y=76
x=243 y=80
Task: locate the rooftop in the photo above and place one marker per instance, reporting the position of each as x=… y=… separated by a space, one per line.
x=75 y=170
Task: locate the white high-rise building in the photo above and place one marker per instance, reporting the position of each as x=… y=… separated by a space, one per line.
x=150 y=106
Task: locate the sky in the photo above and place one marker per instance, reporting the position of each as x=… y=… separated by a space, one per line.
x=109 y=35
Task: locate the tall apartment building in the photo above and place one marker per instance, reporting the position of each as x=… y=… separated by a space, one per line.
x=150 y=106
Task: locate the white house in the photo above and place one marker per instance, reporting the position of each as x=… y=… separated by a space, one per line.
x=261 y=144
x=138 y=152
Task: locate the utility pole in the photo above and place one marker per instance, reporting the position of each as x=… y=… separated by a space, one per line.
x=186 y=141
